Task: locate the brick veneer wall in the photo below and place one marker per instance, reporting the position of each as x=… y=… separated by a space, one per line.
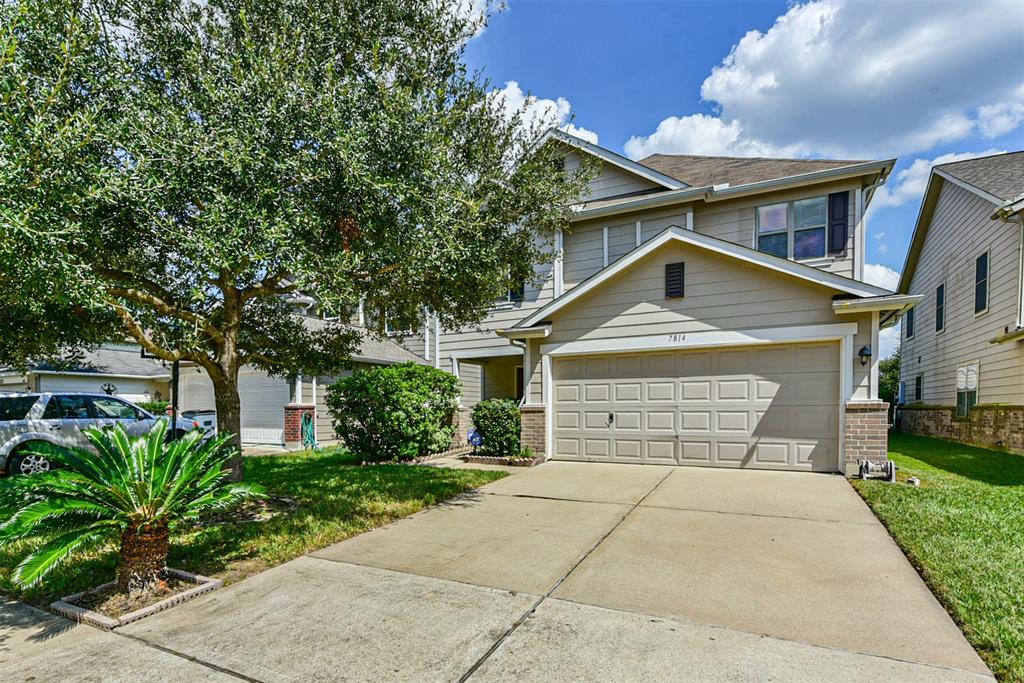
x=989 y=426
x=293 y=413
x=867 y=432
x=532 y=432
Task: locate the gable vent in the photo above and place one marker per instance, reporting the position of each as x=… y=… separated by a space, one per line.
x=674 y=280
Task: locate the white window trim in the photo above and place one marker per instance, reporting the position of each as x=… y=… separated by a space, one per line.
x=945 y=296
x=791 y=230
x=956 y=390
x=604 y=252
x=988 y=282
x=911 y=330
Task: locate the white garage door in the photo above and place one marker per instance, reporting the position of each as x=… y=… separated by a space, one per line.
x=773 y=407
x=263 y=400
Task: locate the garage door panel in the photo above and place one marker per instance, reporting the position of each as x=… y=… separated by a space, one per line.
x=771 y=407
x=628 y=450
x=628 y=392
x=597 y=449
x=567 y=393
x=694 y=452
x=732 y=390
x=661 y=452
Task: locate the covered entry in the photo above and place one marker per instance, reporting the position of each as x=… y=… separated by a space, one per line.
x=769 y=406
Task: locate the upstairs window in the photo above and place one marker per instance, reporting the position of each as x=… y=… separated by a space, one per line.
x=908 y=321
x=981 y=284
x=940 y=308
x=966 y=389
x=793 y=230
x=512 y=296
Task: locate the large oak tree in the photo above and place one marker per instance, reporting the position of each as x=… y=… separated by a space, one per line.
x=173 y=170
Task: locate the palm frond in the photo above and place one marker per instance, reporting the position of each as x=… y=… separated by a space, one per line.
x=44 y=560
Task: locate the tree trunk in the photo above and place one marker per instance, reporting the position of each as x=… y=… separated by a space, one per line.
x=143 y=557
x=229 y=419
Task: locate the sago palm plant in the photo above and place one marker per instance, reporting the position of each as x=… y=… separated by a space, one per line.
x=137 y=489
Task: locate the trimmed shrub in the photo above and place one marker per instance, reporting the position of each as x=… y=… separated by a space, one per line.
x=395 y=412
x=158 y=408
x=498 y=421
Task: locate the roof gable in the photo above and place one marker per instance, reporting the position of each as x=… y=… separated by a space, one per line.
x=612 y=158
x=743 y=254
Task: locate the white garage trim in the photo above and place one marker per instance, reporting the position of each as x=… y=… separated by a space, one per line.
x=669 y=342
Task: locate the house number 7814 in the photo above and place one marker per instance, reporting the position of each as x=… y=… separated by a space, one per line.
x=676 y=337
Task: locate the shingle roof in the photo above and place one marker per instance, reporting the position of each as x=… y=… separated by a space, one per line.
x=112 y=360
x=372 y=348
x=701 y=171
x=1001 y=175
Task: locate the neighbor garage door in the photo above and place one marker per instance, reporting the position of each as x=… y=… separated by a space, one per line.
x=771 y=407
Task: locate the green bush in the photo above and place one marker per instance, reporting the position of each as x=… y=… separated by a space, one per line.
x=498 y=421
x=158 y=408
x=395 y=412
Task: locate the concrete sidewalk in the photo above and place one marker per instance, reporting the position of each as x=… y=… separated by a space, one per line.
x=567 y=570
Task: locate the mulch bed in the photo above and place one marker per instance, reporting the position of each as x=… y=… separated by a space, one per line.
x=114 y=604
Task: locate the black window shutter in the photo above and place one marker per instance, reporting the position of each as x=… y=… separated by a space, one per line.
x=674 y=280
x=838 y=218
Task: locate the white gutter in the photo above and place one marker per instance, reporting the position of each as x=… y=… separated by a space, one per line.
x=535 y=332
x=896 y=302
x=97 y=374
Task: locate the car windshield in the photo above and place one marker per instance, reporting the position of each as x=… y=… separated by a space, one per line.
x=16 y=407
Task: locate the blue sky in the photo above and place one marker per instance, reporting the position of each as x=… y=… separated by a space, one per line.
x=834 y=78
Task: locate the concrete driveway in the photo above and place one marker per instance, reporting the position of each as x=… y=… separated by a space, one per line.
x=580 y=571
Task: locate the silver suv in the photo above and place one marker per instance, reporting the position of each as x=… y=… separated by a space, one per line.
x=61 y=419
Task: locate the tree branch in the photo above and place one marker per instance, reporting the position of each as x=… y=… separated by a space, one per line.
x=136 y=331
x=165 y=308
x=268 y=286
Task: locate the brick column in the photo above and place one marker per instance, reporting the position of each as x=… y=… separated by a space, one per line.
x=533 y=429
x=293 y=413
x=867 y=433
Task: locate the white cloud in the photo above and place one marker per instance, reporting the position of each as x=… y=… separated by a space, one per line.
x=701 y=134
x=908 y=184
x=539 y=114
x=854 y=79
x=881 y=276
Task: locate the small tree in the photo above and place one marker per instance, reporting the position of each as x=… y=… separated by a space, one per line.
x=395 y=412
x=889 y=380
x=136 y=490
x=174 y=171
x=499 y=422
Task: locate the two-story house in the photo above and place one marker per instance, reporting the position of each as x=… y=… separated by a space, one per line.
x=700 y=311
x=962 y=368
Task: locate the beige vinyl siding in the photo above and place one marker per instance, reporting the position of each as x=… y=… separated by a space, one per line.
x=959 y=231
x=611 y=181
x=499 y=377
x=471 y=375
x=734 y=221
x=721 y=294
x=584 y=245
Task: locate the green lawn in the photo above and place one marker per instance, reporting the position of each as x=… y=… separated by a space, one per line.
x=327 y=498
x=964 y=530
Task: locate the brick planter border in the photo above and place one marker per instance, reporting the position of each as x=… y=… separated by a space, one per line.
x=65 y=607
x=510 y=462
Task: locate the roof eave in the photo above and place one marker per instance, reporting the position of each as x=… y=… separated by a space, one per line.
x=612 y=158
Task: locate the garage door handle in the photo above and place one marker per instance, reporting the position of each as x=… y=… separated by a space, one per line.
x=611 y=418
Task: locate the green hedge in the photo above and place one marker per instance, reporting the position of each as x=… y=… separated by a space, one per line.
x=499 y=422
x=395 y=412
x=158 y=408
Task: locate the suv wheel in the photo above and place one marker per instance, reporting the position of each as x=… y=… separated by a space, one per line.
x=28 y=463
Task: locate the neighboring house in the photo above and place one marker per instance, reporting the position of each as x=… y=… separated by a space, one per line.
x=701 y=310
x=115 y=369
x=962 y=366
x=272 y=407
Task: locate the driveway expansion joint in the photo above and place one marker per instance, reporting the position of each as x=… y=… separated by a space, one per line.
x=761 y=514
x=533 y=608
x=188 y=658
